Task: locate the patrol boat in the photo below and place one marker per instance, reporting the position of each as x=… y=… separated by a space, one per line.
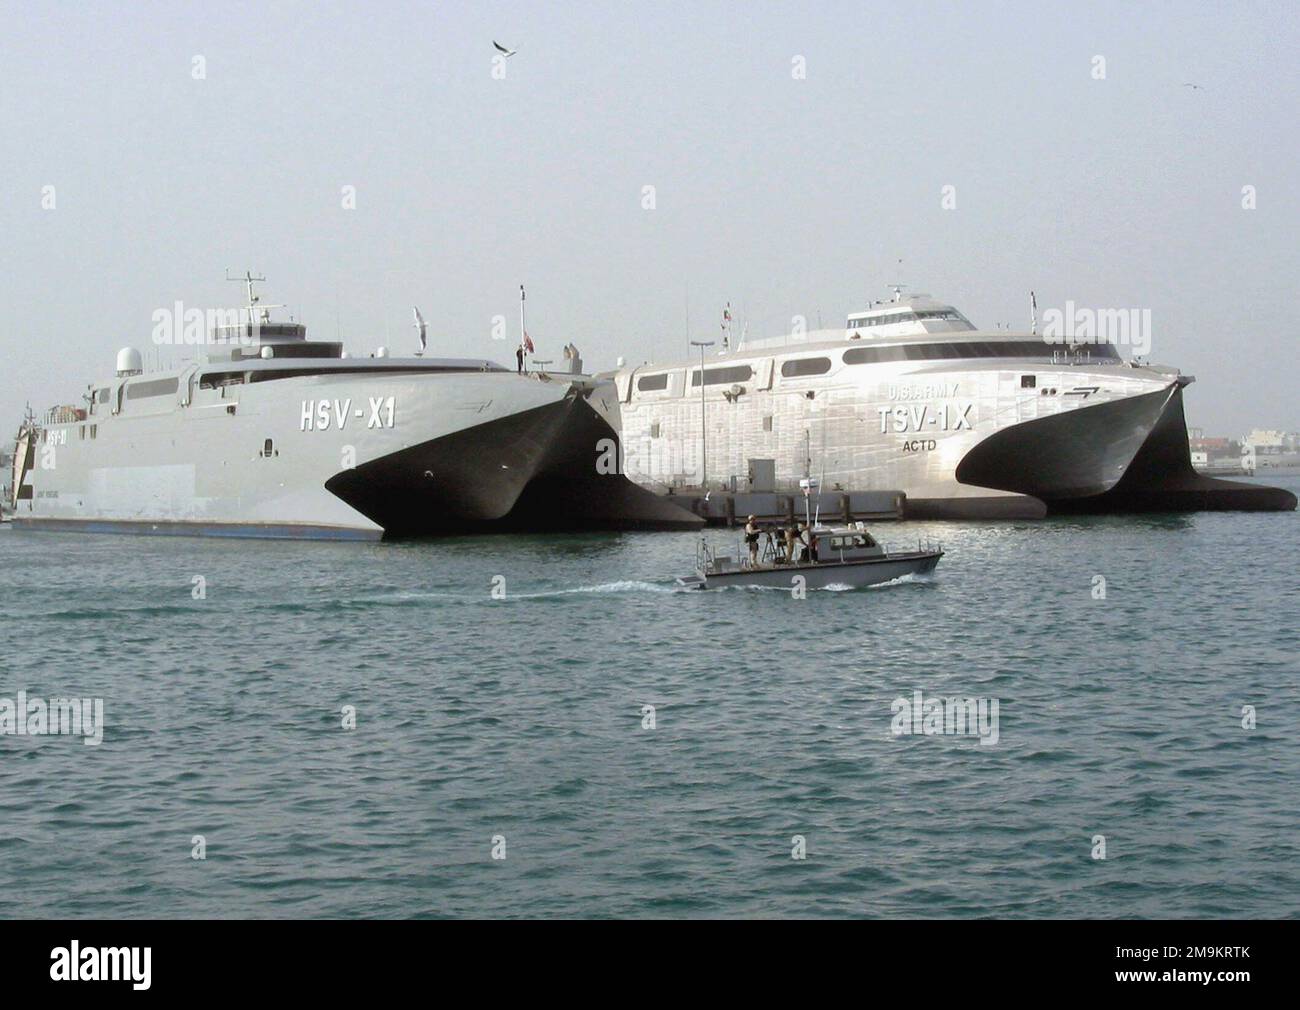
x=845 y=556
x=274 y=435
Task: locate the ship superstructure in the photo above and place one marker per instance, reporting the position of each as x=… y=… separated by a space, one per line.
x=911 y=395
x=275 y=435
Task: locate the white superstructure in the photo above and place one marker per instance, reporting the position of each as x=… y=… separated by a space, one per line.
x=910 y=395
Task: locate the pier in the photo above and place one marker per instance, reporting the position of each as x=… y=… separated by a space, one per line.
x=732 y=508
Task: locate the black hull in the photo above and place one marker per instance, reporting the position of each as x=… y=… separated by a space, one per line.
x=1161 y=479
x=994 y=508
x=1124 y=456
x=532 y=471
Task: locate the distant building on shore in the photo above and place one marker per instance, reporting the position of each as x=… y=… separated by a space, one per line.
x=1262 y=447
x=1271 y=442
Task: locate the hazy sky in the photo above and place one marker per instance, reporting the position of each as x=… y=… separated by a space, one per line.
x=785 y=196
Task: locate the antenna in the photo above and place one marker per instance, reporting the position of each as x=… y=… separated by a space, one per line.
x=249 y=280
x=257 y=313
x=898 y=290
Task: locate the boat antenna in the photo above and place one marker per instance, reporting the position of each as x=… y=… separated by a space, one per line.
x=257 y=312
x=817 y=516
x=821 y=479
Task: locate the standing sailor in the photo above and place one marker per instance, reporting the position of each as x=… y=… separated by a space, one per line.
x=804 y=538
x=751 y=541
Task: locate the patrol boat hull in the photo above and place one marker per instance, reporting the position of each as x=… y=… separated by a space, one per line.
x=823 y=575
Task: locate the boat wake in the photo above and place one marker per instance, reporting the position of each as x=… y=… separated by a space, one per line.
x=606 y=587
x=626 y=586
x=911 y=578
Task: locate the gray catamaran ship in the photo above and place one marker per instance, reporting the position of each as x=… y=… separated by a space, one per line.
x=911 y=396
x=275 y=435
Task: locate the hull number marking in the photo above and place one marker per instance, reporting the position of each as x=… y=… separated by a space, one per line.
x=321 y=415
x=920 y=417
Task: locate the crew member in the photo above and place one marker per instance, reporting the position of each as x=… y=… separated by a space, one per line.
x=791 y=538
x=751 y=540
x=519 y=358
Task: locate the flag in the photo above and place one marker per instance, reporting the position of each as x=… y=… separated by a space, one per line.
x=528 y=343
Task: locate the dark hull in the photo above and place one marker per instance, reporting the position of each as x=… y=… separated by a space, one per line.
x=1125 y=456
x=535 y=470
x=856 y=574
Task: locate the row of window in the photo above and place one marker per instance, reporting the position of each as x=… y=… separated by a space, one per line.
x=213 y=380
x=796 y=367
x=907 y=316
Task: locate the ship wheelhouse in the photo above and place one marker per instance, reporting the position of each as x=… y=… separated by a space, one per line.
x=919 y=314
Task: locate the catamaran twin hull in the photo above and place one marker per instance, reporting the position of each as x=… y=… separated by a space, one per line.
x=346 y=449
x=1047 y=433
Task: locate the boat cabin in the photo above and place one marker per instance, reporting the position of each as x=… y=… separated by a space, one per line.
x=846 y=544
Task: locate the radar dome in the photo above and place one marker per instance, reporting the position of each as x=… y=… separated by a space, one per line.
x=129 y=362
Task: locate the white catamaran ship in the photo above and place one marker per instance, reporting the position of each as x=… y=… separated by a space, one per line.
x=912 y=397
x=275 y=435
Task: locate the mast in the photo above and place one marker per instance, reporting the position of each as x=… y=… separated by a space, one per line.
x=523 y=325
x=704 y=430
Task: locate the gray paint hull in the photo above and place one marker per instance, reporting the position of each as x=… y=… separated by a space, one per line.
x=311 y=457
x=856 y=574
x=962 y=438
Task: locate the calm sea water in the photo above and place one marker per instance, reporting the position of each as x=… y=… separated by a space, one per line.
x=523 y=718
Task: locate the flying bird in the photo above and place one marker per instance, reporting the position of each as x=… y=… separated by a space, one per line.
x=502 y=49
x=422 y=327
x=1196 y=86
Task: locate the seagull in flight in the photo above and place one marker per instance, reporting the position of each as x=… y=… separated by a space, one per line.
x=422 y=328
x=1196 y=86
x=503 y=50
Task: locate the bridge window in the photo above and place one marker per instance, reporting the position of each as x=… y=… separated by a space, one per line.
x=652 y=383
x=722 y=376
x=872 y=355
x=970 y=349
x=805 y=366
x=154 y=387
